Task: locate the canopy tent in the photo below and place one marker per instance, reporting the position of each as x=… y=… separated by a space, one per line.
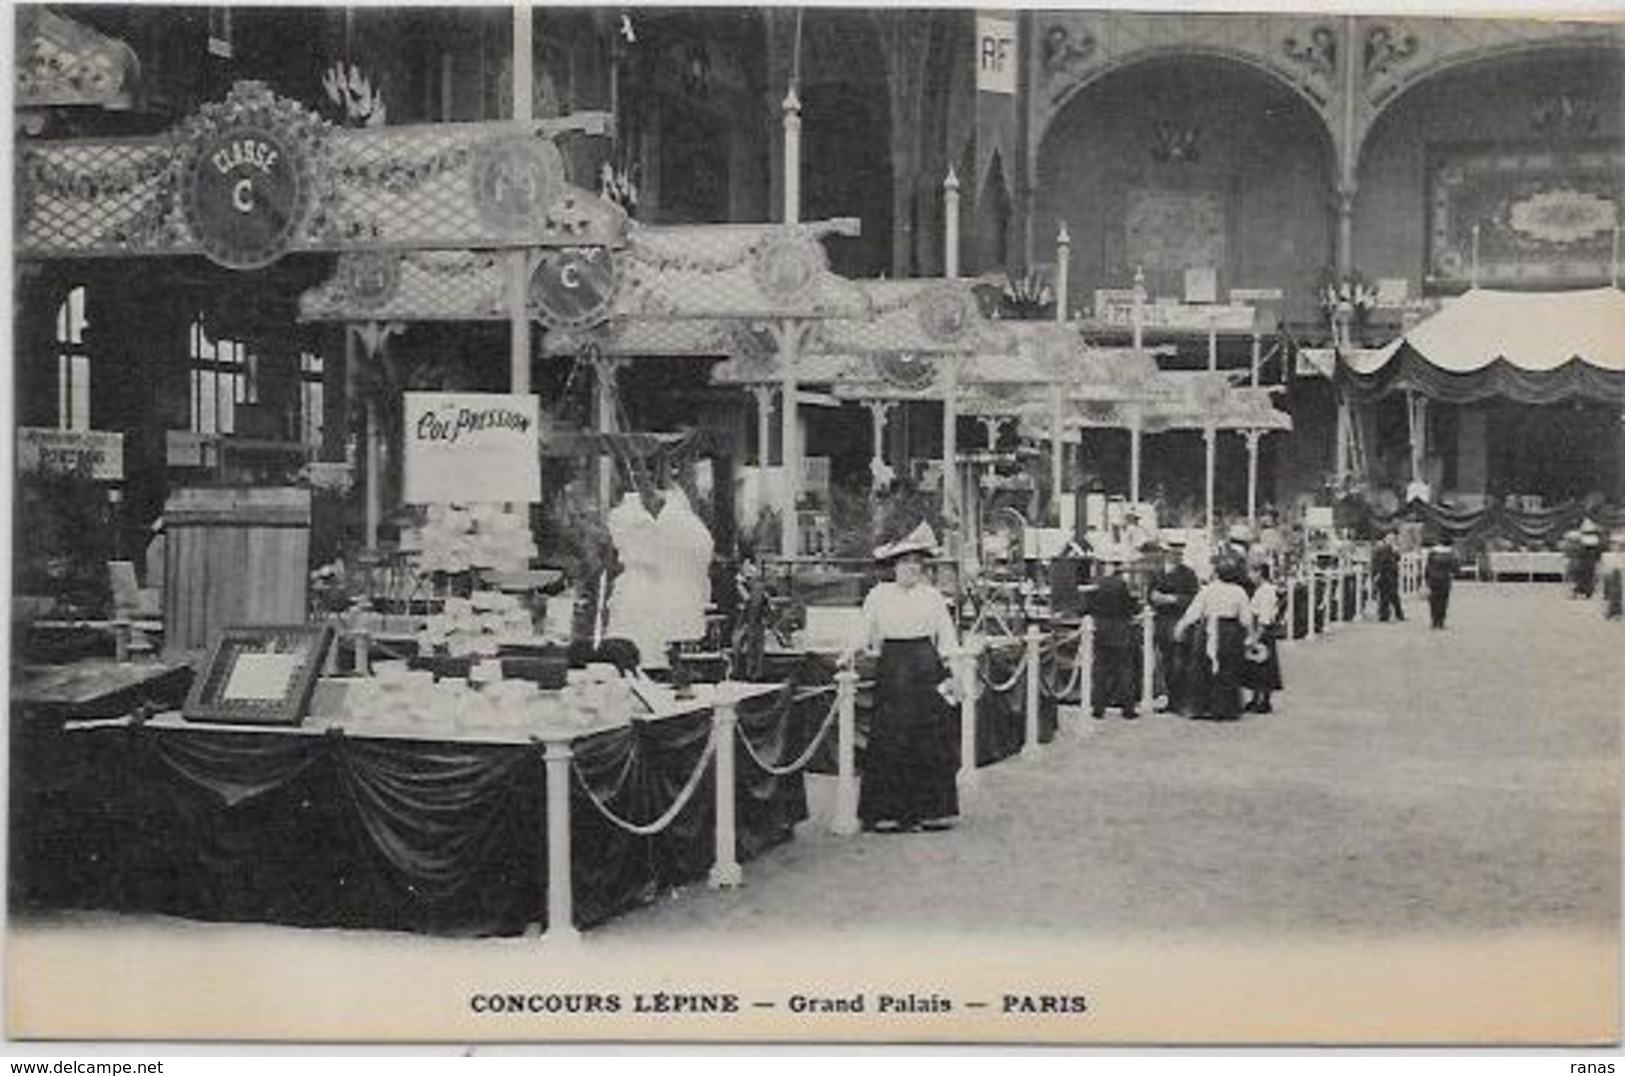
x=1529 y=347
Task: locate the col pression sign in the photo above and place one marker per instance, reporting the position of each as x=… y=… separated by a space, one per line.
x=471 y=447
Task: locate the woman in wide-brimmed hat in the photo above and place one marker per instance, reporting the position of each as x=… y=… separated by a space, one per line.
x=909 y=762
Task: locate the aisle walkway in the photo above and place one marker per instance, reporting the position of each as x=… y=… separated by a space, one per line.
x=1409 y=780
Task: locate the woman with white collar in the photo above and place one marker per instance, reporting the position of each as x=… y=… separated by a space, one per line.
x=909 y=762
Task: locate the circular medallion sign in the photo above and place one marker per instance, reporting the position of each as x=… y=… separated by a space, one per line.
x=246 y=195
x=787 y=267
x=906 y=371
x=946 y=313
x=573 y=286
x=516 y=179
x=372 y=278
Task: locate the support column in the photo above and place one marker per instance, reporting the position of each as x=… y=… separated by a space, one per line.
x=725 y=871
x=1057 y=451
x=561 y=927
x=950 y=230
x=950 y=442
x=604 y=394
x=1063 y=270
x=880 y=474
x=792 y=157
x=1252 y=477
x=764 y=439
x=1211 y=436
x=788 y=336
x=519 y=260
x=1136 y=433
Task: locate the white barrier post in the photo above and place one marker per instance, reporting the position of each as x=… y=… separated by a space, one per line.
x=1085 y=672
x=1291 y=609
x=561 y=927
x=846 y=782
x=1029 y=749
x=1313 y=604
x=964 y=665
x=1334 y=600
x=1148 y=658
x=725 y=872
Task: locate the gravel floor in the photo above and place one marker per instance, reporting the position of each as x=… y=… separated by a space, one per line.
x=1410 y=780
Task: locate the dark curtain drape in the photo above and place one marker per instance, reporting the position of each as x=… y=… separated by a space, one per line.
x=1408 y=370
x=344 y=831
x=1528 y=528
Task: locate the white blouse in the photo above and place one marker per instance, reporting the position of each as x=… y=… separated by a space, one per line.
x=1266 y=603
x=1218 y=600
x=919 y=612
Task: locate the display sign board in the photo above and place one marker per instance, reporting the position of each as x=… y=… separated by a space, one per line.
x=93 y=454
x=1175 y=317
x=1256 y=295
x=471 y=447
x=996 y=54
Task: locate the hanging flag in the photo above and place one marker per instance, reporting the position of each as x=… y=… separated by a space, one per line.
x=998 y=68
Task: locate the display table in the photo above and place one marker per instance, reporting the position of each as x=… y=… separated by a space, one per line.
x=398 y=829
x=1524 y=563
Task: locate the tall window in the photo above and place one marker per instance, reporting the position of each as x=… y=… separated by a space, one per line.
x=72 y=364
x=223 y=376
x=310 y=398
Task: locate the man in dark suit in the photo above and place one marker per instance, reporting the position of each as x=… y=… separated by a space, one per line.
x=1115 y=668
x=1385 y=569
x=1439 y=572
x=1172 y=589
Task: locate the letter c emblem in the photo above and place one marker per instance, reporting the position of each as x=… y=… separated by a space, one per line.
x=570 y=276
x=242 y=196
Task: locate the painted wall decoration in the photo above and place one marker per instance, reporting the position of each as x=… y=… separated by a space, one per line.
x=1545 y=215
x=1175 y=230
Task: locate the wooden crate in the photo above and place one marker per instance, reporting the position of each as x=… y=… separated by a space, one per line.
x=233 y=556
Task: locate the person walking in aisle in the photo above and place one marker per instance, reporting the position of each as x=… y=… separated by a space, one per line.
x=1439 y=572
x=1219 y=622
x=1385 y=567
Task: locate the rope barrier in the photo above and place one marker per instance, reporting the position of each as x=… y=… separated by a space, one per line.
x=1000 y=689
x=1073 y=684
x=806 y=756
x=651 y=828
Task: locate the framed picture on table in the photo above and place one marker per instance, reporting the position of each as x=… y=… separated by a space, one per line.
x=259 y=675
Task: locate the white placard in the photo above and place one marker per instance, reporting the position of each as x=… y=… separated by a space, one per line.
x=471 y=447
x=93 y=454
x=1201 y=284
x=996 y=56
x=1256 y=295
x=1319 y=518
x=260 y=676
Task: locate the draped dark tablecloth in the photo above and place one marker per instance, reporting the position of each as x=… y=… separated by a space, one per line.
x=349 y=831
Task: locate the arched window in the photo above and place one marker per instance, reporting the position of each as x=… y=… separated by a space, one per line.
x=223 y=376
x=72 y=364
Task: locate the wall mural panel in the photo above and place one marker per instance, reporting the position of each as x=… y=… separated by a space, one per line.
x=1545 y=214
x=1175 y=230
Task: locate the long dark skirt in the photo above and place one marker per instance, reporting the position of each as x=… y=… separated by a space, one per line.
x=911 y=758
x=1114 y=672
x=1263 y=675
x=1217 y=692
x=1613 y=594
x=1439 y=601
